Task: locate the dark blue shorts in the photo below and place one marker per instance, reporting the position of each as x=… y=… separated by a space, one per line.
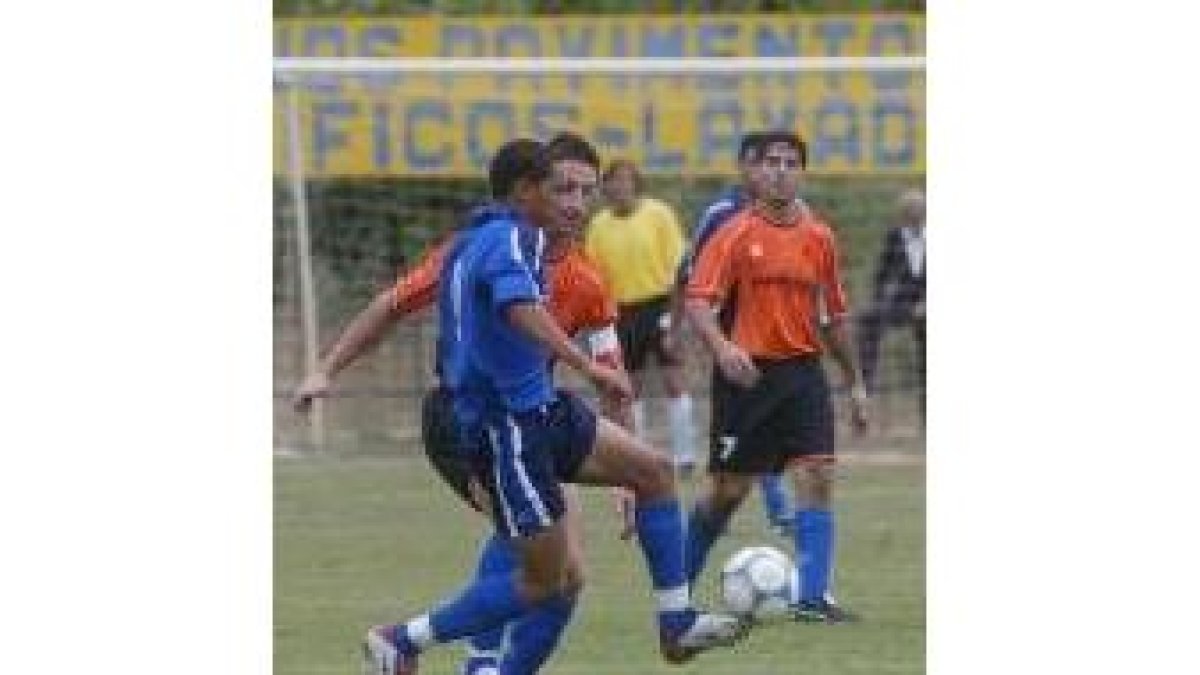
x=523 y=458
x=788 y=413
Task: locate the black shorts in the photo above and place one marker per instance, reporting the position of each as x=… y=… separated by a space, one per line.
x=439 y=437
x=640 y=330
x=787 y=414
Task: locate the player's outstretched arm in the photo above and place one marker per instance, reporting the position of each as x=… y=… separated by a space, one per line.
x=360 y=335
x=414 y=291
x=532 y=318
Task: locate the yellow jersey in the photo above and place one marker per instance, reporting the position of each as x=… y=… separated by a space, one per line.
x=638 y=254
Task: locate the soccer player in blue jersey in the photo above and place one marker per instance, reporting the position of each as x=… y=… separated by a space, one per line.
x=524 y=437
x=583 y=307
x=712 y=218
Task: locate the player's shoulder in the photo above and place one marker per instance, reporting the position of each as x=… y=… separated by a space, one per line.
x=656 y=206
x=740 y=221
x=583 y=272
x=599 y=222
x=731 y=232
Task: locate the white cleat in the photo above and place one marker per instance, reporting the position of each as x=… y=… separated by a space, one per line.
x=381 y=655
x=706 y=632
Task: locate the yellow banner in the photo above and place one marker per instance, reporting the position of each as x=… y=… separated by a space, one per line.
x=447 y=125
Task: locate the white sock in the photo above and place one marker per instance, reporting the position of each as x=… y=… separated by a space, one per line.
x=682 y=440
x=639 y=418
x=419 y=631
x=675 y=599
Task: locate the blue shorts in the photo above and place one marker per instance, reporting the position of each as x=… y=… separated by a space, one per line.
x=523 y=458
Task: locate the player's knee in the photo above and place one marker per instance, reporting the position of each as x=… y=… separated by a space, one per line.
x=728 y=491
x=655 y=477
x=661 y=477
x=537 y=586
x=814 y=483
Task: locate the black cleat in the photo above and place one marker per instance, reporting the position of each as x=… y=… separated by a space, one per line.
x=823 y=611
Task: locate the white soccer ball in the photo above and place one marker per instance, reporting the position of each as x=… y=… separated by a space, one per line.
x=759 y=582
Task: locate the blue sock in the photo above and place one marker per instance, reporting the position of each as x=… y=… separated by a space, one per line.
x=774 y=497
x=703 y=528
x=535 y=636
x=814 y=551
x=660 y=534
x=487 y=603
x=496 y=557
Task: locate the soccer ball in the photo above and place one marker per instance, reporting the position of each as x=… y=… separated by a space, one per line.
x=759 y=582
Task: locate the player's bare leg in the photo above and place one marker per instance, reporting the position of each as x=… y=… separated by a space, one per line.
x=620 y=459
x=722 y=494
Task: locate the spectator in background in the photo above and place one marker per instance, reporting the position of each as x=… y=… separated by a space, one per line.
x=899 y=290
x=637 y=243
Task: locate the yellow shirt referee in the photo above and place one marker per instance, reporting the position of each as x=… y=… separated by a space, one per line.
x=638 y=251
x=637 y=243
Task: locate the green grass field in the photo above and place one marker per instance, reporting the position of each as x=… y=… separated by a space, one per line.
x=360 y=540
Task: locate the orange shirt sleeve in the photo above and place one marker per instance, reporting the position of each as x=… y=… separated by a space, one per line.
x=579 y=298
x=417 y=288
x=831 y=275
x=713 y=274
x=598 y=308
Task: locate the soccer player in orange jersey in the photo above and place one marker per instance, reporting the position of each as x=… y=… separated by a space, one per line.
x=778 y=263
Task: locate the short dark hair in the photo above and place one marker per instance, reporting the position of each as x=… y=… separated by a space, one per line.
x=790 y=138
x=750 y=147
x=568 y=145
x=618 y=164
x=517 y=160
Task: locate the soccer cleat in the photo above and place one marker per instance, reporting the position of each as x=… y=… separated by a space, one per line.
x=824 y=610
x=481 y=665
x=383 y=657
x=706 y=632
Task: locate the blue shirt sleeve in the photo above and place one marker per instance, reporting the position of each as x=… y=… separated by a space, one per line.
x=510 y=268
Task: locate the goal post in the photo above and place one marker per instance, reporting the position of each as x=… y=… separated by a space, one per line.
x=374 y=157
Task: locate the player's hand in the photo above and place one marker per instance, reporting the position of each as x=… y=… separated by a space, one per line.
x=736 y=365
x=624 y=502
x=315 y=386
x=859 y=420
x=609 y=381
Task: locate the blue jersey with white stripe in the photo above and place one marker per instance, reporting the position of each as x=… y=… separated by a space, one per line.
x=487 y=363
x=715 y=215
